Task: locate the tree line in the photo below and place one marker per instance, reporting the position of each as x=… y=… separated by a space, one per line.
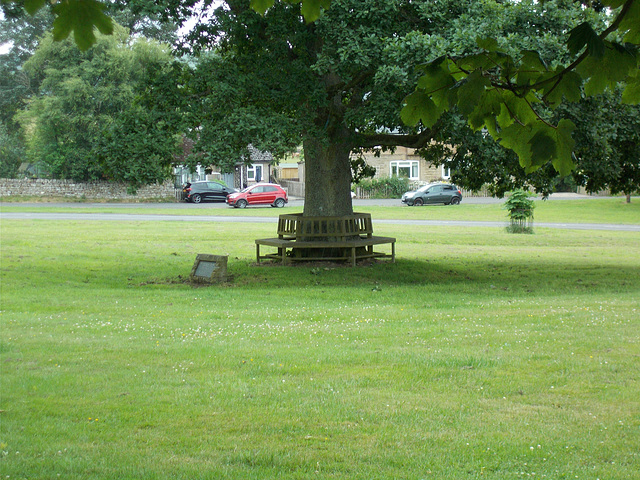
x=332 y=77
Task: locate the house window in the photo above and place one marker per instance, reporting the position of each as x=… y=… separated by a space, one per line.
x=254 y=173
x=446 y=172
x=406 y=169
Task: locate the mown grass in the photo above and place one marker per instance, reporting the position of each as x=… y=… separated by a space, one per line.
x=478 y=354
x=597 y=210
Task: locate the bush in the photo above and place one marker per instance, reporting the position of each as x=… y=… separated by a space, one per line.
x=520 y=208
x=391 y=187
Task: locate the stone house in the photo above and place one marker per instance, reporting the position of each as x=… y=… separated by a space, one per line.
x=404 y=162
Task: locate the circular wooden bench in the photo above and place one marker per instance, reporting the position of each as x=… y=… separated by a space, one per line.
x=347 y=238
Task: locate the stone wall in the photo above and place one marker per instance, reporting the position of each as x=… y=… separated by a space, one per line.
x=294 y=188
x=40 y=187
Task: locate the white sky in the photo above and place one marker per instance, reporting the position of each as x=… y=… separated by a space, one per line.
x=204 y=14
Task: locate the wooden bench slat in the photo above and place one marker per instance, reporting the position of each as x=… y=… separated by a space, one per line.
x=283 y=245
x=280 y=242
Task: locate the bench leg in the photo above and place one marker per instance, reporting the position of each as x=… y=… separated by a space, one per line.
x=257 y=252
x=393 y=252
x=353 y=256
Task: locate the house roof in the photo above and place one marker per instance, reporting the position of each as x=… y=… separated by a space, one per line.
x=256 y=155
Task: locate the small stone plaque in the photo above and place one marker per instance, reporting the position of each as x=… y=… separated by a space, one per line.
x=205 y=269
x=209 y=268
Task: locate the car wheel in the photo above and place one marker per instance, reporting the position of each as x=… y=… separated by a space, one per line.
x=279 y=203
x=196 y=198
x=418 y=202
x=455 y=201
x=241 y=203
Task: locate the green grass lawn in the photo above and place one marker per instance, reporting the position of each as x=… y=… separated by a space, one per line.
x=478 y=354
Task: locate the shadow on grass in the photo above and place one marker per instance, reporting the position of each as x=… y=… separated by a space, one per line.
x=466 y=273
x=525 y=275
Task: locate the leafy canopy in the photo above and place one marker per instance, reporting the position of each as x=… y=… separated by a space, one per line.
x=504 y=93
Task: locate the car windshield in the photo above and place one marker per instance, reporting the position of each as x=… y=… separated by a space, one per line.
x=425 y=188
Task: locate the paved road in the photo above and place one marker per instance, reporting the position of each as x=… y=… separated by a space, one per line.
x=293 y=202
x=213 y=218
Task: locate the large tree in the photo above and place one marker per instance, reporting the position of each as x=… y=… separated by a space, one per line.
x=335 y=86
x=20 y=34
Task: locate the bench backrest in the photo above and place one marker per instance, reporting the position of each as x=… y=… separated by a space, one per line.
x=292 y=226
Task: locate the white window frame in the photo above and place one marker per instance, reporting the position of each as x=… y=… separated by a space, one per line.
x=446 y=172
x=412 y=165
x=253 y=170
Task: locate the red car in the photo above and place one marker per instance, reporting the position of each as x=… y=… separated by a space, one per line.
x=259 y=194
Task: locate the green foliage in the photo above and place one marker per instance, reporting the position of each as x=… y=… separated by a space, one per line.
x=21 y=33
x=310 y=9
x=606 y=153
x=11 y=153
x=520 y=208
x=477 y=161
x=146 y=139
x=391 y=187
x=501 y=91
x=77 y=16
x=607 y=143
x=93 y=117
x=82 y=17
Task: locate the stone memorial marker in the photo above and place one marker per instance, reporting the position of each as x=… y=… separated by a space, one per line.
x=209 y=269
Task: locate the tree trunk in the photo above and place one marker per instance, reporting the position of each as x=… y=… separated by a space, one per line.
x=327 y=177
x=628 y=198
